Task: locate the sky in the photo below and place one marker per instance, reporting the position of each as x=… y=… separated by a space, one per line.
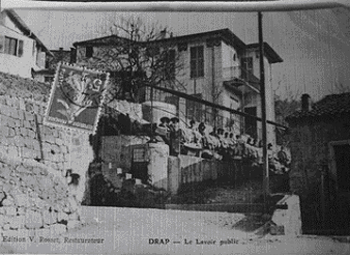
x=314 y=44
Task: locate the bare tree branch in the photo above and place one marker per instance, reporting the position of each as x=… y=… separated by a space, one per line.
x=137 y=56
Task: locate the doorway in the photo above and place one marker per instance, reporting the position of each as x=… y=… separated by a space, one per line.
x=250 y=123
x=342 y=164
x=340 y=173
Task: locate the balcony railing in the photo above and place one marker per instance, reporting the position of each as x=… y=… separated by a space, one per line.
x=239 y=76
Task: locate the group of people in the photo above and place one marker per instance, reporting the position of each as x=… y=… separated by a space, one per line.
x=219 y=144
x=194 y=139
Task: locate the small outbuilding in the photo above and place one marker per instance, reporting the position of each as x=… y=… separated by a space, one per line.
x=320 y=171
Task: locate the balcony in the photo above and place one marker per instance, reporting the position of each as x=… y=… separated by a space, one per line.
x=240 y=79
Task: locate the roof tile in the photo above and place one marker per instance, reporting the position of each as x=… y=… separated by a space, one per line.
x=330 y=105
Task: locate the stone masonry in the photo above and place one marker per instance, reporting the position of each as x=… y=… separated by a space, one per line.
x=34 y=197
x=29 y=148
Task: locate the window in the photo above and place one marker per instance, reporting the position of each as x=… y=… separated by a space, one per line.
x=247 y=67
x=48 y=79
x=47 y=63
x=250 y=124
x=197 y=61
x=139 y=155
x=257 y=54
x=194 y=109
x=34 y=48
x=89 y=51
x=170 y=65
x=13 y=46
x=20 y=48
x=234 y=118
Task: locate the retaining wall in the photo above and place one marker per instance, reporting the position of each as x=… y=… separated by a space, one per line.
x=34 y=198
x=188 y=169
x=24 y=138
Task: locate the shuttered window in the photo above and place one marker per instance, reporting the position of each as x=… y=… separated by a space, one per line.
x=197 y=61
x=170 y=65
x=20 y=48
x=2 y=43
x=11 y=46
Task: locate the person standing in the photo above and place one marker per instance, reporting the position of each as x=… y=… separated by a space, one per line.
x=176 y=137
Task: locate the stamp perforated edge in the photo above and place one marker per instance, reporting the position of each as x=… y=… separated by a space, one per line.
x=53 y=90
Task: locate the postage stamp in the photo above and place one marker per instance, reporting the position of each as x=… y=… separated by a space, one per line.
x=76 y=98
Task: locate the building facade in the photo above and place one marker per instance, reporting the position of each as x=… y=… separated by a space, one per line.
x=47 y=74
x=320 y=146
x=21 y=51
x=215 y=66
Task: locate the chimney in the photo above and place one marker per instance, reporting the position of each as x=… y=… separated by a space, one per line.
x=60 y=54
x=73 y=55
x=306 y=102
x=163 y=33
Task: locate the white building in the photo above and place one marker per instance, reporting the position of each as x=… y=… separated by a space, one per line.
x=21 y=51
x=219 y=67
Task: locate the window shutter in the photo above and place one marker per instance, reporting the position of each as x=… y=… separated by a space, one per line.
x=89 y=52
x=34 y=46
x=20 y=48
x=40 y=61
x=2 y=43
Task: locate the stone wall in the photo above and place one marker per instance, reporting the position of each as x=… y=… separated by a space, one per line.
x=310 y=151
x=24 y=136
x=184 y=170
x=34 y=199
x=309 y=147
x=194 y=169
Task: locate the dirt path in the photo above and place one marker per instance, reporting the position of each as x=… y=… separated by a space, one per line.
x=204 y=193
x=133 y=231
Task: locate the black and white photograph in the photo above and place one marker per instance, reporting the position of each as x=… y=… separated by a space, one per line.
x=175 y=127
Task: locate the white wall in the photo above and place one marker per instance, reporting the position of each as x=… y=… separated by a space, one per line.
x=230 y=67
x=233 y=104
x=225 y=68
x=269 y=93
x=19 y=65
x=13 y=64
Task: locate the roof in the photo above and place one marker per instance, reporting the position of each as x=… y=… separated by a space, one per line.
x=45 y=71
x=13 y=16
x=330 y=106
x=105 y=40
x=225 y=35
x=269 y=52
x=58 y=51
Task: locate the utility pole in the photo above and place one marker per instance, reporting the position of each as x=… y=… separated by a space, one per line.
x=266 y=185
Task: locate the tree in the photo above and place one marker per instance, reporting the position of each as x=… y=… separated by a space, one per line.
x=283 y=108
x=286 y=102
x=137 y=55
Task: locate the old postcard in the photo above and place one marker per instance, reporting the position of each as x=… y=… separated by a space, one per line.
x=174 y=128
